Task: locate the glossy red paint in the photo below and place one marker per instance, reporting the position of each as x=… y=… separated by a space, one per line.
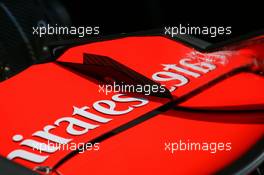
x=44 y=93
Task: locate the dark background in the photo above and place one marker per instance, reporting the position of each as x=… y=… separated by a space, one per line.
x=113 y=17
x=132 y=15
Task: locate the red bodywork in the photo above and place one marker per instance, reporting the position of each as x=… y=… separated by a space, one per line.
x=45 y=95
